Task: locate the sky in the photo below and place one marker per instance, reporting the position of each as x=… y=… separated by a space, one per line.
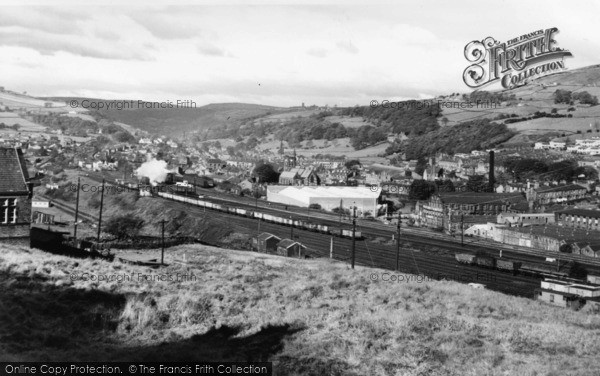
x=272 y=53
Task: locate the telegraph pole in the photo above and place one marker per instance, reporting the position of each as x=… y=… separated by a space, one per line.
x=100 y=215
x=162 y=251
x=398 y=243
x=462 y=230
x=76 y=213
x=353 y=234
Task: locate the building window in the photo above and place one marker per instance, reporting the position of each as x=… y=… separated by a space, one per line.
x=551 y=298
x=8 y=211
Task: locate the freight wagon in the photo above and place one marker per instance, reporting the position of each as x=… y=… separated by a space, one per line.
x=305 y=225
x=485 y=261
x=465 y=258
x=507 y=265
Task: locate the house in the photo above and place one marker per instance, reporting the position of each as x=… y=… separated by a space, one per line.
x=299 y=176
x=15 y=194
x=290 y=248
x=215 y=164
x=246 y=185
x=582 y=218
x=266 y=243
x=560 y=193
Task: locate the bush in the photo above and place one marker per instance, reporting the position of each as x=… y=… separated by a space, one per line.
x=124 y=226
x=314 y=206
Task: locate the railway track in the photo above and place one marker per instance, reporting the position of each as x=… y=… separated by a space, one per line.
x=435 y=266
x=413 y=235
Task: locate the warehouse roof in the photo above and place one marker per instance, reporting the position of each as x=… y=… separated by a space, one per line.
x=303 y=193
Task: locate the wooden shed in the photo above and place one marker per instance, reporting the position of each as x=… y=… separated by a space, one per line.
x=266 y=243
x=290 y=248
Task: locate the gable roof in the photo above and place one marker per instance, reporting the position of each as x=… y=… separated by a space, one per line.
x=560 y=188
x=287 y=243
x=13 y=173
x=266 y=236
x=581 y=213
x=481 y=198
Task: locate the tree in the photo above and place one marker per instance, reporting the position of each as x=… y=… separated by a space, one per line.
x=126 y=226
x=123 y=136
x=477 y=183
x=351 y=163
x=421 y=190
x=266 y=174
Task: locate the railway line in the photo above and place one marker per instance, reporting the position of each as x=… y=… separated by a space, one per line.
x=373 y=231
x=426 y=238
x=434 y=265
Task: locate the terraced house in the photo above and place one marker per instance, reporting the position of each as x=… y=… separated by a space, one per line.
x=556 y=194
x=579 y=218
x=15 y=194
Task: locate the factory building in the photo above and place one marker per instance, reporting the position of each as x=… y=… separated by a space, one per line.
x=328 y=198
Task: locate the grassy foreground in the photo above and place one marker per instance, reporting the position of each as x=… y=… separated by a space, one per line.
x=309 y=317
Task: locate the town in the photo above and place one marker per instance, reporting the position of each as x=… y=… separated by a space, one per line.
x=293 y=189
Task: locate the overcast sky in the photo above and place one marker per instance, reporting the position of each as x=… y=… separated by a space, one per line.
x=267 y=53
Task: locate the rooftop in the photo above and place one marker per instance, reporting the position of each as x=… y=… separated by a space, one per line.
x=13 y=175
x=481 y=198
x=581 y=213
x=560 y=188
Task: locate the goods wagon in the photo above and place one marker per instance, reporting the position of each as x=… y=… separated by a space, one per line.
x=485 y=261
x=508 y=265
x=465 y=258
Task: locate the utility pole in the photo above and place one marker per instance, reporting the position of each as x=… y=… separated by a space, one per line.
x=398 y=243
x=162 y=251
x=76 y=213
x=353 y=234
x=291 y=228
x=462 y=230
x=331 y=248
x=100 y=215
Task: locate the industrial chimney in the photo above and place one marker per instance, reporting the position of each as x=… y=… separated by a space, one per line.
x=491 y=172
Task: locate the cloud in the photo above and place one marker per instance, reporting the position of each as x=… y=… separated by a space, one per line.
x=212 y=50
x=162 y=26
x=318 y=52
x=348 y=47
x=47 y=44
x=47 y=19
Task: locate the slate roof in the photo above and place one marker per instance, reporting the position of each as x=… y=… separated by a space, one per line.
x=13 y=172
x=287 y=243
x=266 y=236
x=560 y=188
x=481 y=198
x=581 y=213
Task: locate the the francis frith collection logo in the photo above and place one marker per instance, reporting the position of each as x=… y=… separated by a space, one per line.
x=514 y=62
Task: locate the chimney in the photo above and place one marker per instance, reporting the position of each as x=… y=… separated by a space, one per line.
x=491 y=172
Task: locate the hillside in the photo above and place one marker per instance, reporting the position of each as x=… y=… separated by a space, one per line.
x=175 y=121
x=537 y=96
x=309 y=317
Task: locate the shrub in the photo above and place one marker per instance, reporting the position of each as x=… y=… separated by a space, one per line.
x=124 y=226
